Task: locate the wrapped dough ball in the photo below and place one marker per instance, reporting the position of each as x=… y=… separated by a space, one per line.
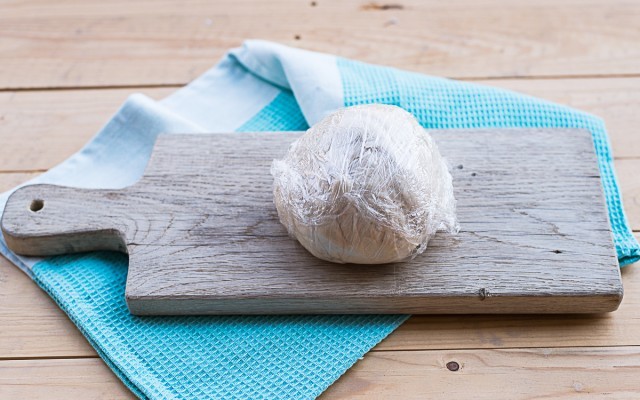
x=366 y=185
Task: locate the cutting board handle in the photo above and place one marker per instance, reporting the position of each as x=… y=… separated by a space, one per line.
x=45 y=220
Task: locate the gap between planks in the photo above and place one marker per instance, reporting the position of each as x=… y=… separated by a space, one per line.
x=50 y=331
x=171 y=43
x=492 y=374
x=70 y=357
x=479 y=373
x=475 y=79
x=56 y=124
x=373 y=350
x=47 y=331
x=106 y=87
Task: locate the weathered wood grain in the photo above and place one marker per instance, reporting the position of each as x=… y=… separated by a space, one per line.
x=203 y=236
x=60 y=56
x=510 y=374
x=32 y=325
x=124 y=42
x=58 y=123
x=422 y=332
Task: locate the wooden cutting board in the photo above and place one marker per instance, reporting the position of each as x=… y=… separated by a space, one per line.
x=203 y=235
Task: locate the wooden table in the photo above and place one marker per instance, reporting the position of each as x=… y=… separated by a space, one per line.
x=65 y=67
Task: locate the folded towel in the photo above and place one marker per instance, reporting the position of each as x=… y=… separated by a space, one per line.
x=261 y=86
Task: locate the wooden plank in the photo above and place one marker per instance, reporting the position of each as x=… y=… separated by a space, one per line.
x=96 y=43
x=12 y=179
x=558 y=373
x=203 y=236
x=614 y=100
x=41 y=129
x=494 y=331
x=58 y=123
x=613 y=329
x=553 y=373
x=60 y=379
x=33 y=326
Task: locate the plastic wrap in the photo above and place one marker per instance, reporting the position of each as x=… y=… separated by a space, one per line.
x=366 y=185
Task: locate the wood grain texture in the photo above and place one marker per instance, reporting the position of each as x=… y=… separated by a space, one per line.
x=94 y=43
x=621 y=328
x=55 y=124
x=88 y=44
x=510 y=374
x=33 y=326
x=58 y=123
x=615 y=100
x=203 y=236
x=60 y=379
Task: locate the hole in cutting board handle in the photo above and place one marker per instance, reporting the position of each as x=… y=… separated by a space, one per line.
x=36 y=205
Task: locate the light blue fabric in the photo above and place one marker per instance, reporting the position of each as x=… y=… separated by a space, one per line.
x=261 y=86
x=232 y=357
x=445 y=104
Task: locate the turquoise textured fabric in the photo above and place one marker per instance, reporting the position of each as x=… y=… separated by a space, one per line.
x=445 y=104
x=230 y=357
x=282 y=114
x=261 y=87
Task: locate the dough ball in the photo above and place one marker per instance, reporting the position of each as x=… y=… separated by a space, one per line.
x=366 y=185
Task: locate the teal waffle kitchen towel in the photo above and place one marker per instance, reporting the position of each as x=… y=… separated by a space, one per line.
x=261 y=86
